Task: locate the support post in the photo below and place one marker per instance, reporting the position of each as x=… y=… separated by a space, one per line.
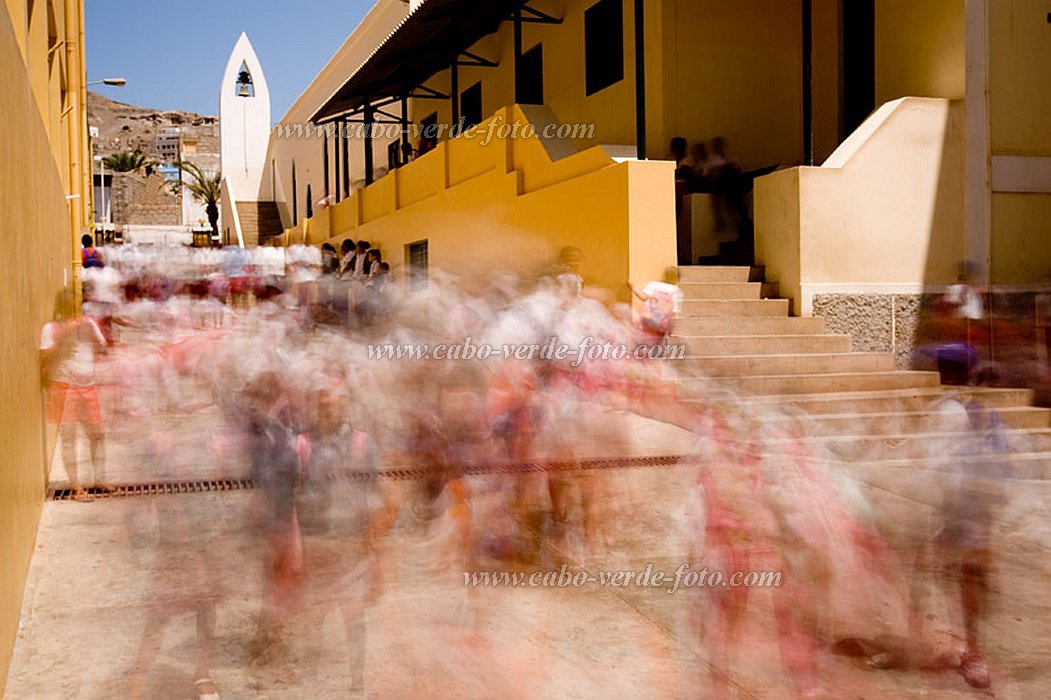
x=295 y=197
x=640 y=78
x=346 y=158
x=404 y=129
x=369 y=120
x=978 y=192
x=808 y=82
x=517 y=19
x=455 y=97
x=336 y=147
x=325 y=166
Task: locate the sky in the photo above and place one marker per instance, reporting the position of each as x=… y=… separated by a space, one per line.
x=173 y=54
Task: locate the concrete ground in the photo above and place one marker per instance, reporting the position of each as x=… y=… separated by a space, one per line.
x=103 y=571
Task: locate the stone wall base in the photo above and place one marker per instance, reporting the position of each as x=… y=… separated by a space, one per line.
x=1010 y=337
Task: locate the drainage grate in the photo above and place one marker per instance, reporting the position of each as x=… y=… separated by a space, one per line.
x=399 y=474
x=157 y=489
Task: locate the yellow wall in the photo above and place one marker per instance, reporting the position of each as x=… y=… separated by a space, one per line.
x=1021 y=245
x=612 y=110
x=919 y=49
x=40 y=225
x=1019 y=84
x=306 y=151
x=713 y=68
x=506 y=205
x=735 y=69
x=826 y=74
x=1019 y=105
x=16 y=10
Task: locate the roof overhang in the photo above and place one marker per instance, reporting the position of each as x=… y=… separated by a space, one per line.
x=427 y=41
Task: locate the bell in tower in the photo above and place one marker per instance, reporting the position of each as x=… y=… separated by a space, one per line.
x=244 y=83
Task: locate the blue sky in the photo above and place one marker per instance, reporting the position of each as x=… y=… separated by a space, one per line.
x=173 y=54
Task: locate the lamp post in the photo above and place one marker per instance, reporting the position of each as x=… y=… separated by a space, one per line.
x=105 y=211
x=112 y=82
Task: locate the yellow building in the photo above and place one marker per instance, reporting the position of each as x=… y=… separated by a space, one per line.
x=927 y=120
x=45 y=206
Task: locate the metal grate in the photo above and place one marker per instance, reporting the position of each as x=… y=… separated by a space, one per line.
x=398 y=474
x=157 y=489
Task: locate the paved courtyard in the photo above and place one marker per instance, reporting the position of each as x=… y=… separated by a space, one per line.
x=103 y=570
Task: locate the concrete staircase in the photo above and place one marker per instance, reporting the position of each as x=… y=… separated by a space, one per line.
x=260 y=221
x=857 y=405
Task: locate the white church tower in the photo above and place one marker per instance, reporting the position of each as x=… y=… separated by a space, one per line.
x=244 y=119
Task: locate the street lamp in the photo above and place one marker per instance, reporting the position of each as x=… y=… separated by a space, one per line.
x=115 y=82
x=105 y=211
x=112 y=82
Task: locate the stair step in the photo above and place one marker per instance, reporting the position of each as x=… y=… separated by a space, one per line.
x=260 y=221
x=815 y=383
x=901 y=400
x=1022 y=417
x=728 y=290
x=808 y=363
x=920 y=446
x=764 y=344
x=900 y=475
x=702 y=274
x=751 y=308
x=787 y=325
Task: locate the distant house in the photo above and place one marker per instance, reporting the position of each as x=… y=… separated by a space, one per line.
x=169 y=144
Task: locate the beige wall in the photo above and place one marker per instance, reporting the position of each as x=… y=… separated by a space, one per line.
x=885 y=209
x=919 y=49
x=40 y=224
x=778 y=230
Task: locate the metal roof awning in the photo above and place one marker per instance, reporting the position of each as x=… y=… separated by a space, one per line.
x=427 y=41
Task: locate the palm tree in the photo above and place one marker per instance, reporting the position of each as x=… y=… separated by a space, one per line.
x=125 y=162
x=204 y=188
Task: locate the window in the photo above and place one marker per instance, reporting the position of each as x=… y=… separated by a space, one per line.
x=529 y=88
x=416 y=257
x=604 y=45
x=310 y=203
x=471 y=106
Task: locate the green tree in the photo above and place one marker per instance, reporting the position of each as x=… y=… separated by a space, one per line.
x=204 y=188
x=126 y=162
